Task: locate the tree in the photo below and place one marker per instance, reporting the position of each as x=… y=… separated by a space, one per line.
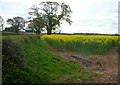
x=17 y=23
x=8 y=29
x=1 y=22
x=51 y=14
x=36 y=25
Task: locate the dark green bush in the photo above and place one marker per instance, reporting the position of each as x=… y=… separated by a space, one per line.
x=12 y=58
x=11 y=51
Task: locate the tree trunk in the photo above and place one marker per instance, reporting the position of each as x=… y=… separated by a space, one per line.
x=16 y=31
x=49 y=31
x=38 y=32
x=2 y=27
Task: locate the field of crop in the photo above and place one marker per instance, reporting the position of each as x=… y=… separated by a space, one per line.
x=83 y=44
x=97 y=53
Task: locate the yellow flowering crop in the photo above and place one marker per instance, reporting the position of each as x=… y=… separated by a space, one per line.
x=98 y=43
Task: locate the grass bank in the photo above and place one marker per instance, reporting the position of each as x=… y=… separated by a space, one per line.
x=26 y=59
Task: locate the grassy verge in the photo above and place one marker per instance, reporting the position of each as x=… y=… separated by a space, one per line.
x=26 y=59
x=44 y=66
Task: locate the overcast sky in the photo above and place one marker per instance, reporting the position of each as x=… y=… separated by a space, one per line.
x=89 y=16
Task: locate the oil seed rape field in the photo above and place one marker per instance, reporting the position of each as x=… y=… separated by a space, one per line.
x=83 y=44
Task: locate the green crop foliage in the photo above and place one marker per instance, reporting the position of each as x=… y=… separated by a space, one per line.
x=83 y=44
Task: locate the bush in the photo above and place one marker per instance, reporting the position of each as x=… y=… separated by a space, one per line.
x=13 y=68
x=12 y=58
x=29 y=31
x=11 y=51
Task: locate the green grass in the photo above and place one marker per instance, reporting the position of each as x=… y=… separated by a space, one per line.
x=83 y=77
x=42 y=62
x=79 y=77
x=26 y=59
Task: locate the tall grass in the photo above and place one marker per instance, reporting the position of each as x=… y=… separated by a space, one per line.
x=84 y=44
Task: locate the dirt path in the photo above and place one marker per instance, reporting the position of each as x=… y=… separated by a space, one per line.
x=106 y=64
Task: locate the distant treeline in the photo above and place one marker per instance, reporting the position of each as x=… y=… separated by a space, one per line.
x=85 y=34
x=20 y=33
x=32 y=33
x=94 y=34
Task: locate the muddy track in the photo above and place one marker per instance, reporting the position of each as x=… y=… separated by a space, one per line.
x=106 y=64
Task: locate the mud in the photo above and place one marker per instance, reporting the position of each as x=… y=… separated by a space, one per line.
x=106 y=64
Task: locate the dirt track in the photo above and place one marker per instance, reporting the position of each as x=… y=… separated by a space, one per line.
x=106 y=64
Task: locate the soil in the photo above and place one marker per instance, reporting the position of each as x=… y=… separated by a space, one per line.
x=106 y=64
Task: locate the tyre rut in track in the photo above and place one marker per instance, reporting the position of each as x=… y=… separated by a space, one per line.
x=106 y=64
